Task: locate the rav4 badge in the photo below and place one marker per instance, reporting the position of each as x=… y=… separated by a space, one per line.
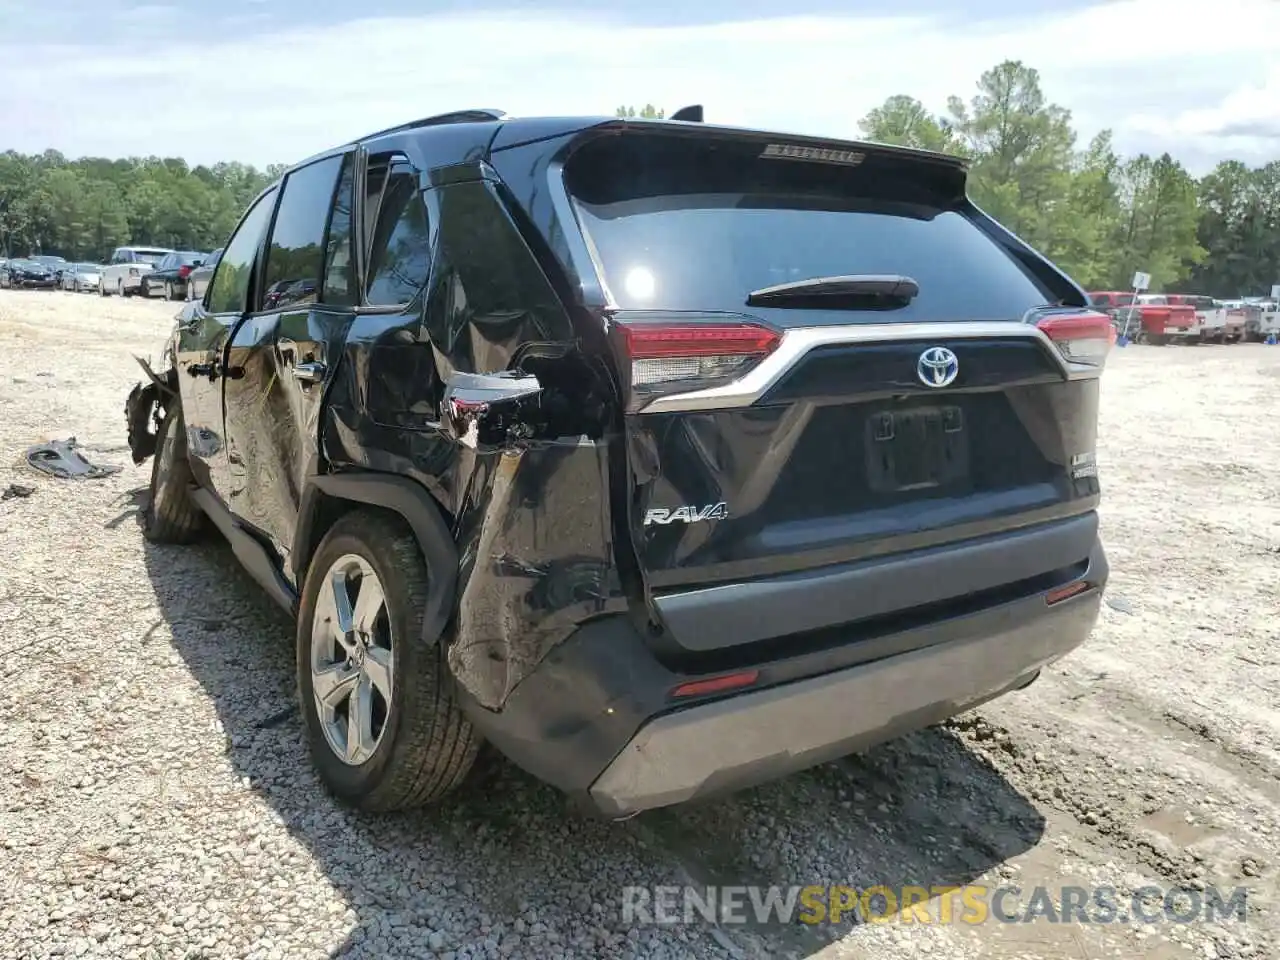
x=690 y=514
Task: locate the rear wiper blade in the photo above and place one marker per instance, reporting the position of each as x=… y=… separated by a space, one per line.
x=864 y=290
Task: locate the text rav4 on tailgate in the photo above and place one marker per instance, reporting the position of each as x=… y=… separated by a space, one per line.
x=689 y=514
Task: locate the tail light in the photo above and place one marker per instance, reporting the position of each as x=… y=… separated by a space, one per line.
x=1081 y=337
x=668 y=357
x=183 y=271
x=133 y=271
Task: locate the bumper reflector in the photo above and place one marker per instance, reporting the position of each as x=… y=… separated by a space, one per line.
x=730 y=681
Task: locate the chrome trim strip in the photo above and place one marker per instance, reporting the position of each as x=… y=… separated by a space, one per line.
x=798 y=341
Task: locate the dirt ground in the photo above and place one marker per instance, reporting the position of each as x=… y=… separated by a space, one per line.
x=156 y=799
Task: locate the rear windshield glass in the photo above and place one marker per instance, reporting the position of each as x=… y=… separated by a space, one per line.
x=698 y=224
x=150 y=256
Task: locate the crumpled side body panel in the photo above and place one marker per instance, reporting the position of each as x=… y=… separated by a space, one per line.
x=536 y=561
x=530 y=513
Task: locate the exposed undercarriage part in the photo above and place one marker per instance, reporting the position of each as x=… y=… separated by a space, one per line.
x=146 y=407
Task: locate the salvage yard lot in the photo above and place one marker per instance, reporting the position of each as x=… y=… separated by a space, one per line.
x=156 y=799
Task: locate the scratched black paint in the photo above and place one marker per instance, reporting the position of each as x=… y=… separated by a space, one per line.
x=548 y=523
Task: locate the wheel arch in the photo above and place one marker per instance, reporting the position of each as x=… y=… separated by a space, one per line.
x=326 y=497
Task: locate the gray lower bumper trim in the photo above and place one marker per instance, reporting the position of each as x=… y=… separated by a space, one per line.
x=717 y=617
x=754 y=737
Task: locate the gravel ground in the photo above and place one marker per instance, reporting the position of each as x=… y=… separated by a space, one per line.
x=156 y=800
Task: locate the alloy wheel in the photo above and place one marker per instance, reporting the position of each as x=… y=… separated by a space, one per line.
x=352 y=666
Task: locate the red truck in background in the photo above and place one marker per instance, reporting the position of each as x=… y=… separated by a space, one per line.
x=1152 y=319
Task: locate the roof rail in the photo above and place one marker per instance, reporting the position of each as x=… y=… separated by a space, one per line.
x=479 y=115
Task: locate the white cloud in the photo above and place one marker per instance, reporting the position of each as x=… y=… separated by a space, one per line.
x=1164 y=74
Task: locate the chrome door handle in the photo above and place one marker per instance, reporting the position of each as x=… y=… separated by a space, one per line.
x=309 y=372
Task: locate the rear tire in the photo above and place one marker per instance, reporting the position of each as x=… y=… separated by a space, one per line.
x=168 y=290
x=416 y=745
x=171 y=516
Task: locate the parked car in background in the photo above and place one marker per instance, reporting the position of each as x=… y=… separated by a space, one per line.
x=79 y=277
x=170 y=275
x=547 y=460
x=198 y=278
x=26 y=274
x=54 y=264
x=1210 y=314
x=1153 y=319
x=1265 y=323
x=128 y=265
x=1109 y=301
x=1240 y=314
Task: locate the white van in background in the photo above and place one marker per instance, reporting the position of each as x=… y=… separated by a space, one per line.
x=123 y=273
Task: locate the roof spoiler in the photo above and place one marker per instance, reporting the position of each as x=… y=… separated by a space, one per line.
x=691 y=114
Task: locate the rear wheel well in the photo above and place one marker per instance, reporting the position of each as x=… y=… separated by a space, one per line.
x=328 y=498
x=324 y=512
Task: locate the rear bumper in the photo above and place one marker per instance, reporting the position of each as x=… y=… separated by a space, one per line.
x=719 y=617
x=596 y=720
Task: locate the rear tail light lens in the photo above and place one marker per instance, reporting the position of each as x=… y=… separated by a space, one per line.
x=183 y=271
x=692 y=356
x=1081 y=337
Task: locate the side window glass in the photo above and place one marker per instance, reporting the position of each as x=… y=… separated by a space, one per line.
x=229 y=288
x=296 y=251
x=399 y=247
x=339 y=272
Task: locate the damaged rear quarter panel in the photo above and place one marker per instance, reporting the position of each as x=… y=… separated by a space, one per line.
x=536 y=561
x=530 y=514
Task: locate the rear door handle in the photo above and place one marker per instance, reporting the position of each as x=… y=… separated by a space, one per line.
x=309 y=372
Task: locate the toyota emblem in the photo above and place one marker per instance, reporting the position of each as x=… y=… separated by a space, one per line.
x=937 y=367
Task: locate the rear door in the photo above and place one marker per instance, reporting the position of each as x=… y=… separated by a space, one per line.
x=905 y=401
x=201 y=344
x=284 y=353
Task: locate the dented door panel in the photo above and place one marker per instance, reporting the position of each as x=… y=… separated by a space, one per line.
x=273 y=416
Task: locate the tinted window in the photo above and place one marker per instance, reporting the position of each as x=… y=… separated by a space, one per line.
x=229 y=289
x=699 y=224
x=339 y=275
x=297 y=239
x=399 y=249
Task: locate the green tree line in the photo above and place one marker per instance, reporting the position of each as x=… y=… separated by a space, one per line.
x=1097 y=214
x=83 y=209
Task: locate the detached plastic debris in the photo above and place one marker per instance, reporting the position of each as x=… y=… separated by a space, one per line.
x=16 y=490
x=61 y=459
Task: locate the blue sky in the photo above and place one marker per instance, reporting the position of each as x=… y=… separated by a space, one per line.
x=275 y=80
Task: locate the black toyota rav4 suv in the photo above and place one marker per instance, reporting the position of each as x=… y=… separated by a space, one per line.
x=666 y=458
